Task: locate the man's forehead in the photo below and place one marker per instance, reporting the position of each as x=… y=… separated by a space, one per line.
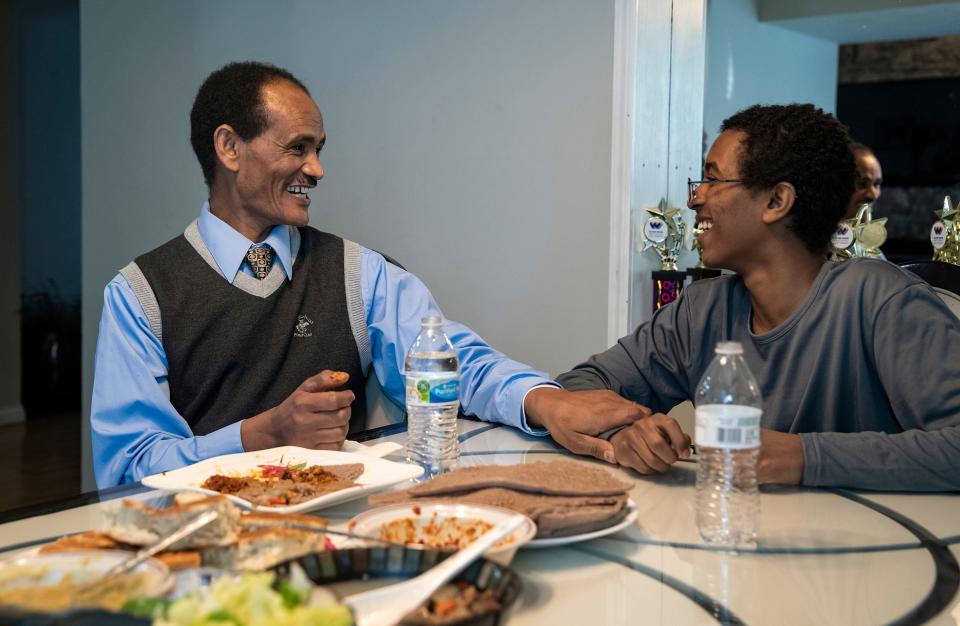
x=867 y=161
x=291 y=111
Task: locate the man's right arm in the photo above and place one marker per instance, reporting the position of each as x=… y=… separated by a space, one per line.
x=136 y=431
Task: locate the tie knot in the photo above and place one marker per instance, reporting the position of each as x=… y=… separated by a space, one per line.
x=260 y=259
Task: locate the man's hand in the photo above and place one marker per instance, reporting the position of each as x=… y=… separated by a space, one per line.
x=651 y=445
x=575 y=418
x=781 y=458
x=313 y=416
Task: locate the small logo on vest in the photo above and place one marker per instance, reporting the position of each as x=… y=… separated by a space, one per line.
x=303 y=327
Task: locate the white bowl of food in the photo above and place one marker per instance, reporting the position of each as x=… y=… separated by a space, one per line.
x=54 y=583
x=442 y=526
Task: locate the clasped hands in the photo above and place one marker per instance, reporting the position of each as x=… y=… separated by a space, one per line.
x=648 y=442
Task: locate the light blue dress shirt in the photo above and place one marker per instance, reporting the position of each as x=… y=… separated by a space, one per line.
x=137 y=431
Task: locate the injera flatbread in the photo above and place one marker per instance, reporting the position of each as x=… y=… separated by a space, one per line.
x=560 y=478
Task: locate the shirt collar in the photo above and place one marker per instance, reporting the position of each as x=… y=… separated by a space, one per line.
x=229 y=248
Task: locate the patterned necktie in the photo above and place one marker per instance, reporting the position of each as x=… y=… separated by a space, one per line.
x=260 y=260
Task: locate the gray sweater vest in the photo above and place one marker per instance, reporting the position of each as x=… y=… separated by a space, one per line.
x=233 y=354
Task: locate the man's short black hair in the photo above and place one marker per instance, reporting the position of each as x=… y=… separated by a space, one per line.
x=231 y=95
x=806 y=147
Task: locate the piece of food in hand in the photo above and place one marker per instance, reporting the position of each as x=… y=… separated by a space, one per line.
x=339 y=378
x=284 y=485
x=259 y=549
x=141 y=524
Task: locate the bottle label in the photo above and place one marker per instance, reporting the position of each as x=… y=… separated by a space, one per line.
x=727 y=426
x=432 y=388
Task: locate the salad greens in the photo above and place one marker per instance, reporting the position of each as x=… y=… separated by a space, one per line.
x=245 y=600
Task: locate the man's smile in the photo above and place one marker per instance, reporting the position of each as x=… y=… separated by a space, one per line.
x=300 y=192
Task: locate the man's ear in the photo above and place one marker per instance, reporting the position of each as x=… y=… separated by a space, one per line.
x=226 y=143
x=780 y=202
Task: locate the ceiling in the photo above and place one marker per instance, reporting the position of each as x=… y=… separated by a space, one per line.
x=859 y=21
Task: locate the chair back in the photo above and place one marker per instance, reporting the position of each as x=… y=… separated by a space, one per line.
x=944 y=278
x=381 y=410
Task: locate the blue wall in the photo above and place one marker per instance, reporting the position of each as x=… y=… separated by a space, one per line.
x=50 y=147
x=750 y=62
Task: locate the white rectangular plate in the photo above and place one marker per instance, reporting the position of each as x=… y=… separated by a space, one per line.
x=378 y=474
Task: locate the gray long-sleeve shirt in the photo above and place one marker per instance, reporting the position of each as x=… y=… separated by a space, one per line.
x=866 y=370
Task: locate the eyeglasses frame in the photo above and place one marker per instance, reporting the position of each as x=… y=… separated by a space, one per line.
x=693 y=185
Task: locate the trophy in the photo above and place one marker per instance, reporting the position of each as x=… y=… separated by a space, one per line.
x=701 y=270
x=945 y=234
x=859 y=236
x=663 y=232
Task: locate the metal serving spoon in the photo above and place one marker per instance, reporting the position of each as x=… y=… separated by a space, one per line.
x=142 y=555
x=387 y=605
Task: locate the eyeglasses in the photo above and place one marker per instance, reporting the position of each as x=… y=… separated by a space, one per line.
x=693 y=185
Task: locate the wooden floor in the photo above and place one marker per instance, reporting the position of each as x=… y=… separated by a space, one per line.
x=40 y=459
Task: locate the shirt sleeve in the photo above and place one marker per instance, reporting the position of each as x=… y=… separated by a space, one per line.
x=649 y=366
x=915 y=341
x=492 y=387
x=136 y=431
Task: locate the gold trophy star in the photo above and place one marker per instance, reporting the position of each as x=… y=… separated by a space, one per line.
x=868 y=235
x=948 y=213
x=950 y=250
x=670 y=229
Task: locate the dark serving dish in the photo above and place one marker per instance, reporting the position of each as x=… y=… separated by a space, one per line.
x=378 y=562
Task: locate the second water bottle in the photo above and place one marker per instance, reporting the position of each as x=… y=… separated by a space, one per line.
x=728 y=408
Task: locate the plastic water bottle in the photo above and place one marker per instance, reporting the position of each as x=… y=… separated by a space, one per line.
x=728 y=408
x=433 y=397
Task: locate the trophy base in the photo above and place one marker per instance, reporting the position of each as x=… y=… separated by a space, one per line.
x=699 y=273
x=667 y=286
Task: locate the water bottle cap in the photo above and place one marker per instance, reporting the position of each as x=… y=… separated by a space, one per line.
x=729 y=347
x=431 y=320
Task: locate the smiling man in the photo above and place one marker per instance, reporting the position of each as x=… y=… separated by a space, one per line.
x=856 y=360
x=251 y=329
x=869 y=180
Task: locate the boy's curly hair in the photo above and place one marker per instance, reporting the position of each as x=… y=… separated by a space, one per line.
x=807 y=147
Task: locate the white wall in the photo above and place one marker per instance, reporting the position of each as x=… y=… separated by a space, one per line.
x=470 y=140
x=750 y=62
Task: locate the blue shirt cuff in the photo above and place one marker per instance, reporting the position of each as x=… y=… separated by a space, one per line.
x=539 y=432
x=224 y=441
